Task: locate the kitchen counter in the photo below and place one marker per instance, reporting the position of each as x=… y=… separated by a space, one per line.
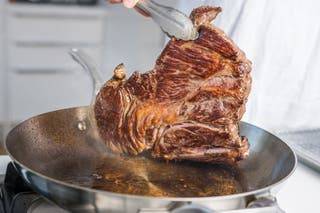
x=300 y=193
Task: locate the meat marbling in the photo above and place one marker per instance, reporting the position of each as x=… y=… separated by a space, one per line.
x=188 y=107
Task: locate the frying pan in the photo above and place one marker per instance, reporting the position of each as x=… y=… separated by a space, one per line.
x=59 y=155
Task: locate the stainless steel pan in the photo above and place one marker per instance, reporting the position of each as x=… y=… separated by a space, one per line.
x=60 y=154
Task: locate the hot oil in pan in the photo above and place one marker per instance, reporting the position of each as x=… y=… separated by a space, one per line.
x=150 y=177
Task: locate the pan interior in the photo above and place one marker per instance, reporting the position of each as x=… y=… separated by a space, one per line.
x=65 y=145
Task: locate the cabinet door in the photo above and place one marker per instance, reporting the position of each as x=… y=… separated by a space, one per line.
x=33 y=93
x=41 y=75
x=46 y=59
x=49 y=24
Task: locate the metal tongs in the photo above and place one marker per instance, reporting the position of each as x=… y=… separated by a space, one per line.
x=173 y=22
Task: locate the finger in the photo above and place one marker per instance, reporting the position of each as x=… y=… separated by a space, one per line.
x=130 y=3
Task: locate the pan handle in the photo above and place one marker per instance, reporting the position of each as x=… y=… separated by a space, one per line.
x=267 y=204
x=192 y=209
x=182 y=209
x=89 y=66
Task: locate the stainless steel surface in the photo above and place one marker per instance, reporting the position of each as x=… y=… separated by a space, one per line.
x=42 y=206
x=261 y=205
x=5 y=127
x=306 y=143
x=68 y=141
x=173 y=22
x=89 y=66
x=2 y=137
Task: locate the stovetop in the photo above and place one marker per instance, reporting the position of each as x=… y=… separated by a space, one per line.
x=17 y=197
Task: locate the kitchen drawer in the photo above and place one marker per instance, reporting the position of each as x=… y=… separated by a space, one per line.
x=44 y=30
x=47 y=59
x=31 y=94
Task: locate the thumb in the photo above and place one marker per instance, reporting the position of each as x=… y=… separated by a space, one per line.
x=130 y=3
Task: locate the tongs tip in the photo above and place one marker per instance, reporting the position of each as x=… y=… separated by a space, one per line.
x=173 y=22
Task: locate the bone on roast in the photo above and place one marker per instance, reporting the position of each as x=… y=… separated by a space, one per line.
x=188 y=107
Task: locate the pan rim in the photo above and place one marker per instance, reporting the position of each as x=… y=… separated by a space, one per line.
x=140 y=197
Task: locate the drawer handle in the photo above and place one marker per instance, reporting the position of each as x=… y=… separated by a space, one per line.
x=55 y=44
x=56 y=16
x=42 y=71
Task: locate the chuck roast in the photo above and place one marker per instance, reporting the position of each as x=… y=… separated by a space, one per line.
x=188 y=107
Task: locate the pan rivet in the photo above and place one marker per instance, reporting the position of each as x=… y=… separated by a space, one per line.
x=82 y=126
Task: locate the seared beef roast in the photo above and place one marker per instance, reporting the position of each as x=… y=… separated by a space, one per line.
x=188 y=107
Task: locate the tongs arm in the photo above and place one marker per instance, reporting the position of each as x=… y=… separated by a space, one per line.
x=173 y=22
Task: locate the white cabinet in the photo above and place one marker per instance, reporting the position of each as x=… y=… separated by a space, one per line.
x=34 y=93
x=41 y=28
x=45 y=59
x=41 y=75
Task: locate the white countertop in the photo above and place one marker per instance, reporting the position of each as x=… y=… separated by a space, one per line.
x=299 y=194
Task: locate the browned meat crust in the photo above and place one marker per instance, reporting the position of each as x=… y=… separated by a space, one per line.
x=188 y=106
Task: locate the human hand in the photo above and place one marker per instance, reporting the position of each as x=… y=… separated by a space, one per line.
x=126 y=3
x=129 y=4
